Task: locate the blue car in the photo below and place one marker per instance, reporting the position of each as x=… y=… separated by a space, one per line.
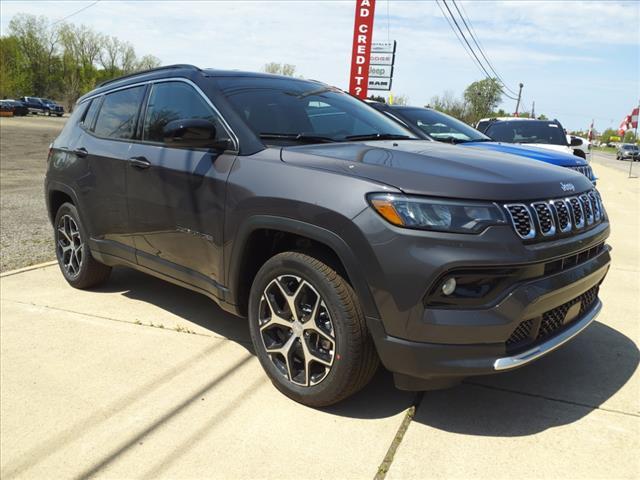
x=433 y=125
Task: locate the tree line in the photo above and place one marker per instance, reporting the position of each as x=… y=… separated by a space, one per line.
x=61 y=61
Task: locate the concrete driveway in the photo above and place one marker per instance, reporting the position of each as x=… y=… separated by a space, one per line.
x=141 y=379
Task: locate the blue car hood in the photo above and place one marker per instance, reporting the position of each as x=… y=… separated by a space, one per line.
x=534 y=153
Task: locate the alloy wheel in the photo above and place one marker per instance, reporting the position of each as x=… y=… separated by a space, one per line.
x=70 y=245
x=296 y=330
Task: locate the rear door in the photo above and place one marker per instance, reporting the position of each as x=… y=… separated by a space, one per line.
x=104 y=147
x=177 y=195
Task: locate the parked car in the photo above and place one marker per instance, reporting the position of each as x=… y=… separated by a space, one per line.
x=430 y=124
x=343 y=237
x=17 y=108
x=42 y=105
x=628 y=151
x=547 y=134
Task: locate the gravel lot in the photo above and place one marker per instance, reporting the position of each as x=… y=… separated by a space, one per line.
x=25 y=232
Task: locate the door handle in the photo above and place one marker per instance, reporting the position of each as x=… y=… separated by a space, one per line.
x=80 y=152
x=140 y=162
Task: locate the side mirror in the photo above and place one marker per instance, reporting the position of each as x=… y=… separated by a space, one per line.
x=191 y=132
x=575 y=142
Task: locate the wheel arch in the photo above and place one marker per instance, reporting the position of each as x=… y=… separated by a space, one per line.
x=245 y=261
x=57 y=194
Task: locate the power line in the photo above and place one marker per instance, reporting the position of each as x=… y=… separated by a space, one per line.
x=477 y=42
x=75 y=13
x=459 y=39
x=484 y=70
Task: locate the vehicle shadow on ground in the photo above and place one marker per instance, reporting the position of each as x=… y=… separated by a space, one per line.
x=191 y=306
x=559 y=389
x=556 y=390
x=379 y=399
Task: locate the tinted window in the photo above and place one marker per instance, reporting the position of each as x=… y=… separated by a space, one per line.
x=523 y=131
x=440 y=126
x=90 y=116
x=291 y=107
x=117 y=117
x=176 y=101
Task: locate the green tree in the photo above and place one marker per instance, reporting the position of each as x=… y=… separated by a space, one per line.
x=13 y=78
x=482 y=97
x=449 y=104
x=280 y=68
x=605 y=137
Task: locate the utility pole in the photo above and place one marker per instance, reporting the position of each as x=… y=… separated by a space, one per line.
x=533 y=109
x=519 y=96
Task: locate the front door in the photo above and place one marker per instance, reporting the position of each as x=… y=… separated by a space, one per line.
x=176 y=195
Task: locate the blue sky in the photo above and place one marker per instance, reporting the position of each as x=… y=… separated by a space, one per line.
x=577 y=60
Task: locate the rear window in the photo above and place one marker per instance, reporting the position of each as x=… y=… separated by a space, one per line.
x=522 y=131
x=119 y=113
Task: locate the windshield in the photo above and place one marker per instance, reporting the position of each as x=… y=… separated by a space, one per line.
x=630 y=147
x=524 y=131
x=291 y=111
x=440 y=126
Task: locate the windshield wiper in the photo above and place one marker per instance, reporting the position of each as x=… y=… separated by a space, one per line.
x=379 y=136
x=298 y=137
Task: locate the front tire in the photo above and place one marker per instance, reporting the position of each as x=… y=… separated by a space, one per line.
x=308 y=330
x=78 y=266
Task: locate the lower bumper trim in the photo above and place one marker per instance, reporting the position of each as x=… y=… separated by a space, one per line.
x=515 y=361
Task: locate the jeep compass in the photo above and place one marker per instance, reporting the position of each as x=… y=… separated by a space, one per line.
x=343 y=238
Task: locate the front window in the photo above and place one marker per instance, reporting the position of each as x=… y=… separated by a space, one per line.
x=524 y=131
x=440 y=126
x=286 y=111
x=171 y=101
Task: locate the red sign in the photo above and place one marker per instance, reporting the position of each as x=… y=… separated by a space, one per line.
x=362 y=35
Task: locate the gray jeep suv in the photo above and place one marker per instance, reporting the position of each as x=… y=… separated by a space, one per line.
x=342 y=237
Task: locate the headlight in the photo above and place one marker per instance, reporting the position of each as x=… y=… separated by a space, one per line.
x=435 y=214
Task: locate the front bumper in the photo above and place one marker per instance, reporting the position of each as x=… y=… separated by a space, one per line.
x=419 y=340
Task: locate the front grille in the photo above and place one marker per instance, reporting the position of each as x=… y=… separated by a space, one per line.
x=555 y=318
x=551 y=322
x=560 y=216
x=585 y=170
x=521 y=334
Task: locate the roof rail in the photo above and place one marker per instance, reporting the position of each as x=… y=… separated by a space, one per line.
x=142 y=72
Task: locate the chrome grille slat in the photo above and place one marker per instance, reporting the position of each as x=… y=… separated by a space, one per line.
x=563 y=215
x=586 y=208
x=576 y=212
x=522 y=220
x=545 y=218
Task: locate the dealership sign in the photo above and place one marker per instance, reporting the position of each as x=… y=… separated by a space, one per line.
x=361 y=50
x=381 y=58
x=381 y=65
x=379 y=84
x=381 y=71
x=384 y=47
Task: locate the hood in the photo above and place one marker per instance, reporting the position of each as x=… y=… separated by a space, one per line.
x=555 y=157
x=437 y=169
x=546 y=146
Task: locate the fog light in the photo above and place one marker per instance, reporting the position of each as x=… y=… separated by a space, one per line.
x=449 y=286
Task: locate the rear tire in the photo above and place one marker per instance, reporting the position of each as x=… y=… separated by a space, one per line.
x=321 y=352
x=76 y=263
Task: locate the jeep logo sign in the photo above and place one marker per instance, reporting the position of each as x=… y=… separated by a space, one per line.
x=567 y=187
